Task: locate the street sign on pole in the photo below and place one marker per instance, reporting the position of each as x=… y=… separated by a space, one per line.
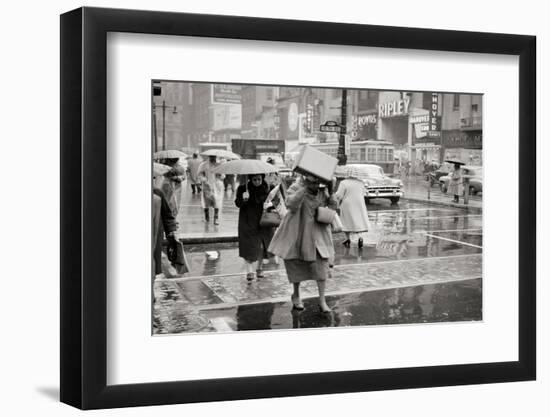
x=331 y=126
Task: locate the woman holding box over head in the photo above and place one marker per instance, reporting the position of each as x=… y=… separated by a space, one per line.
x=302 y=241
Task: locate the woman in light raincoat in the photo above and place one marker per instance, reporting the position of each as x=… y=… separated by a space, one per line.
x=212 y=188
x=353 y=210
x=455 y=184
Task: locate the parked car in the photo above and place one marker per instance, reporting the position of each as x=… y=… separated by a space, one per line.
x=378 y=184
x=474 y=173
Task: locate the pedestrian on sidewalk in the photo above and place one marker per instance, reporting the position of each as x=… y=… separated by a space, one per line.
x=353 y=210
x=172 y=184
x=212 y=189
x=193 y=172
x=302 y=242
x=253 y=239
x=455 y=184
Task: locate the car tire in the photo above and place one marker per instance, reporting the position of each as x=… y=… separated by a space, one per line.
x=443 y=188
x=394 y=200
x=367 y=200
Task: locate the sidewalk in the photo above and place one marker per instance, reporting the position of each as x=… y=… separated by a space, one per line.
x=418 y=189
x=182 y=303
x=194 y=230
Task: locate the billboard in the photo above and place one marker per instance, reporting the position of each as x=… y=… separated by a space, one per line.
x=226 y=94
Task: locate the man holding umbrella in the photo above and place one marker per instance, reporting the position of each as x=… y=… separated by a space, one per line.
x=455 y=184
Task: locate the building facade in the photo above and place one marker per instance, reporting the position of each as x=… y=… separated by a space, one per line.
x=172 y=121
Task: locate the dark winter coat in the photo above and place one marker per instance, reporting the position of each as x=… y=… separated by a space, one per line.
x=163 y=222
x=251 y=236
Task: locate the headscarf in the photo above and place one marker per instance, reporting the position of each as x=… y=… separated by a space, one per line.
x=259 y=193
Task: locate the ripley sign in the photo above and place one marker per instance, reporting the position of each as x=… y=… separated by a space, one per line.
x=394 y=108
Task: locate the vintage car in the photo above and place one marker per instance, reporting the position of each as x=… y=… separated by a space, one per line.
x=378 y=184
x=475 y=175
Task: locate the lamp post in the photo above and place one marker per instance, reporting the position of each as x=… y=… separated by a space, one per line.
x=163 y=106
x=342 y=157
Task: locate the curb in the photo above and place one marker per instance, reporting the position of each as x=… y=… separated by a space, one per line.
x=440 y=203
x=202 y=240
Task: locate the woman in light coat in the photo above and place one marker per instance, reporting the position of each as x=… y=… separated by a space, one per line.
x=304 y=244
x=353 y=210
x=455 y=184
x=212 y=188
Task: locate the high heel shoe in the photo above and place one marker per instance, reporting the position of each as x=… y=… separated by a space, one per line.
x=360 y=242
x=325 y=310
x=346 y=243
x=297 y=303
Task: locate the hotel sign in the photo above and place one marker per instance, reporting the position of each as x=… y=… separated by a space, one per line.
x=434 y=129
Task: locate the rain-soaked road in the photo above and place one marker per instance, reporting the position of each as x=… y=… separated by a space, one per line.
x=420 y=263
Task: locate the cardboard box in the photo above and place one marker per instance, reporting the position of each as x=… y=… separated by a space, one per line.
x=313 y=161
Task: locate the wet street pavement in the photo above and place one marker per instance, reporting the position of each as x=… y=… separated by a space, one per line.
x=421 y=263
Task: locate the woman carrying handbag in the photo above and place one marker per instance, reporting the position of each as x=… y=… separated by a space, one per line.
x=303 y=241
x=254 y=238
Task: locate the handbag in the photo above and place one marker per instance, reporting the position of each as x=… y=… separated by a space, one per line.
x=177 y=257
x=325 y=215
x=270 y=218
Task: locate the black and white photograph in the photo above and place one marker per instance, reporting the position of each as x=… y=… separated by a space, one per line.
x=278 y=207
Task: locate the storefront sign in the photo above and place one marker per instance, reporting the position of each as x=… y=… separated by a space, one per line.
x=460 y=139
x=434 y=120
x=394 y=108
x=363 y=126
x=423 y=118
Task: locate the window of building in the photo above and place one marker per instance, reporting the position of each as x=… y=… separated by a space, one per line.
x=456 y=101
x=371 y=154
x=269 y=94
x=474 y=108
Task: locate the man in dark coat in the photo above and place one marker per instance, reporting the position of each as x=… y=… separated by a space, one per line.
x=164 y=222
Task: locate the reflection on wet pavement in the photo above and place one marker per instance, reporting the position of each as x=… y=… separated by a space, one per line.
x=430 y=303
x=394 y=235
x=420 y=264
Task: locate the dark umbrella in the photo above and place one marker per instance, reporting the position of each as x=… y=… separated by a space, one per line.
x=455 y=161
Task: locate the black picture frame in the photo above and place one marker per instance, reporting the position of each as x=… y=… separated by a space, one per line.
x=84 y=207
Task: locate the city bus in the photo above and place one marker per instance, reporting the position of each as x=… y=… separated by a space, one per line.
x=379 y=152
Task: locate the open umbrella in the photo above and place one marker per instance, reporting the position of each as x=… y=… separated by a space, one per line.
x=169 y=154
x=221 y=153
x=455 y=161
x=160 y=169
x=245 y=167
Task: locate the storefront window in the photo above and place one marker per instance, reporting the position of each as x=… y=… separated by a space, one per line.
x=380 y=154
x=371 y=154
